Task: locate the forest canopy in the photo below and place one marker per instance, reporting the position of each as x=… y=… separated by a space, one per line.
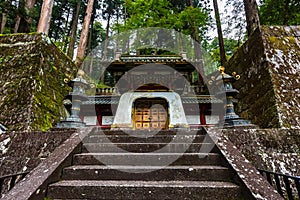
x=109 y=17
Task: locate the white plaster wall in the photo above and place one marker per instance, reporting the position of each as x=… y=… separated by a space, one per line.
x=123 y=117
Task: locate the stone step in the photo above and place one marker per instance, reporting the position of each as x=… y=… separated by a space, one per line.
x=91 y=189
x=147 y=173
x=99 y=131
x=147 y=159
x=146 y=139
x=148 y=147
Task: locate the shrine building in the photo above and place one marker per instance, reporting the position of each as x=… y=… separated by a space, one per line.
x=151 y=92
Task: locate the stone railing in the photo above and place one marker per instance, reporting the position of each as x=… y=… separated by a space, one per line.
x=107 y=91
x=194 y=90
x=115 y=91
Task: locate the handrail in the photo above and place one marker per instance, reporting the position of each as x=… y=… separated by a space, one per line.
x=282 y=179
x=44 y=174
x=14 y=179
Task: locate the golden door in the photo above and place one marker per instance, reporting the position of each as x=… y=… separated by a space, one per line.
x=150 y=114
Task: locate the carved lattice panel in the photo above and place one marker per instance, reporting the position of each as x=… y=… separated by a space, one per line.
x=150 y=114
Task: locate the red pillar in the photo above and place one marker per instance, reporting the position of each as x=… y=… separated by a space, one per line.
x=202 y=115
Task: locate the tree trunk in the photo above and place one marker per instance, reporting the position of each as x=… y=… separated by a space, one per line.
x=21 y=5
x=125 y=13
x=197 y=51
x=84 y=33
x=286 y=12
x=4 y=18
x=199 y=62
x=89 y=48
x=106 y=37
x=17 y=24
x=252 y=18
x=23 y=19
x=44 y=22
x=74 y=31
x=3 y=22
x=66 y=32
x=28 y=19
x=190 y=3
x=220 y=34
x=104 y=56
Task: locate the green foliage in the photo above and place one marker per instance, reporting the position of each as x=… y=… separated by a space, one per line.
x=280 y=12
x=10 y=11
x=191 y=18
x=235 y=19
x=102 y=85
x=98 y=34
x=168 y=14
x=212 y=59
x=161 y=13
x=153 y=13
x=112 y=7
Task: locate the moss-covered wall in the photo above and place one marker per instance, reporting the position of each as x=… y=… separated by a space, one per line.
x=32 y=89
x=276 y=150
x=282 y=49
x=270 y=77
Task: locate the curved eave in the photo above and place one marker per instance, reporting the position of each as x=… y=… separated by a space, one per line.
x=125 y=63
x=109 y=100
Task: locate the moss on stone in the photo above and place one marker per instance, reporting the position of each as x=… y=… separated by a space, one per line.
x=269 y=65
x=271 y=149
x=283 y=55
x=25 y=151
x=32 y=88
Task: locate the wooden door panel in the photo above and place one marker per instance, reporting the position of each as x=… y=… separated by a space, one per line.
x=150 y=114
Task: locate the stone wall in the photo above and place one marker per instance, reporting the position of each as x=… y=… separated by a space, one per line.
x=269 y=65
x=32 y=88
x=276 y=150
x=23 y=151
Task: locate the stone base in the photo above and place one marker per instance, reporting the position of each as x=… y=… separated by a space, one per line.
x=238 y=123
x=70 y=124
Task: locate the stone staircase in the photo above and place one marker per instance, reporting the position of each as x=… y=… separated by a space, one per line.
x=137 y=165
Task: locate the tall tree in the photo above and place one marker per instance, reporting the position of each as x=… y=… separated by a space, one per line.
x=280 y=12
x=19 y=13
x=59 y=19
x=24 y=18
x=213 y=48
x=73 y=33
x=66 y=30
x=3 y=17
x=220 y=34
x=8 y=13
x=252 y=17
x=44 y=22
x=161 y=13
x=109 y=13
x=3 y=22
x=197 y=47
x=171 y=14
x=28 y=19
x=235 y=20
x=84 y=33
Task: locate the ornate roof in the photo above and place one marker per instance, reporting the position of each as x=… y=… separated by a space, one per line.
x=107 y=100
x=126 y=62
